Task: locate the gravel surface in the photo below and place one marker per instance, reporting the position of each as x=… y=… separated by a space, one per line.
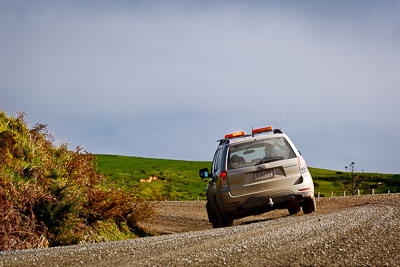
x=345 y=231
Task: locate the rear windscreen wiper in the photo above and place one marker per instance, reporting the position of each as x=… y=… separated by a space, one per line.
x=268 y=160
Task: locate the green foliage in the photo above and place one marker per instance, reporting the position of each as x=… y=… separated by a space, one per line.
x=109 y=230
x=52 y=196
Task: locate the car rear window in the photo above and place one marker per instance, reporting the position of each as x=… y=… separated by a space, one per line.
x=258 y=152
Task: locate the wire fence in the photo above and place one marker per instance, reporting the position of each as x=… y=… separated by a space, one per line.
x=357 y=194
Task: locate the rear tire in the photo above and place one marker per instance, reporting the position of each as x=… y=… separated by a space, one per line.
x=294 y=210
x=218 y=220
x=210 y=214
x=215 y=224
x=309 y=205
x=224 y=220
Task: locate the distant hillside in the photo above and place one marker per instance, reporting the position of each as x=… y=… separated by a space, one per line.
x=177 y=179
x=327 y=181
x=180 y=179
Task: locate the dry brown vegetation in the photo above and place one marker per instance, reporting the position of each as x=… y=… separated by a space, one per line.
x=50 y=195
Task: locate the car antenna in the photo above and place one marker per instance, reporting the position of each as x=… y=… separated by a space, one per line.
x=287 y=115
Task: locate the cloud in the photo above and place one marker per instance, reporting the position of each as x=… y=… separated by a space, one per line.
x=167 y=80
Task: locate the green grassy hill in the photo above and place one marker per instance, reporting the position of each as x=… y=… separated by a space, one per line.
x=327 y=181
x=180 y=179
x=177 y=179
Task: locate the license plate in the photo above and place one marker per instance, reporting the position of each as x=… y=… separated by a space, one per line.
x=265 y=174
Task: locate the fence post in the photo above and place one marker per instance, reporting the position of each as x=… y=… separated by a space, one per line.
x=358 y=192
x=373 y=191
x=319 y=194
x=344 y=193
x=388 y=192
x=331 y=193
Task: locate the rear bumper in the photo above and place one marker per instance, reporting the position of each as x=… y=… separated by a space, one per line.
x=252 y=204
x=259 y=204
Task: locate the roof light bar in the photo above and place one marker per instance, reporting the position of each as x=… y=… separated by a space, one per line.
x=234 y=135
x=260 y=130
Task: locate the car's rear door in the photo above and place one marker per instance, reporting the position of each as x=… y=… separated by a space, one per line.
x=261 y=165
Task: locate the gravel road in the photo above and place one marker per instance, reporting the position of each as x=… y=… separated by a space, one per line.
x=345 y=231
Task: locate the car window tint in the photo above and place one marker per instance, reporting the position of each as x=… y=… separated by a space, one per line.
x=258 y=151
x=216 y=161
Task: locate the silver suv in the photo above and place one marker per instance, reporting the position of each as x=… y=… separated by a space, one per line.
x=253 y=174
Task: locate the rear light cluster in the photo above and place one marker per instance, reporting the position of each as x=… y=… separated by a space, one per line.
x=223 y=178
x=302 y=164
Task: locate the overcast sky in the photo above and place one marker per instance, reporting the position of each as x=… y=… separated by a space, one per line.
x=166 y=79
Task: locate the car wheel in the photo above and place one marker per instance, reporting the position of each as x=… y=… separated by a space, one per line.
x=215 y=223
x=309 y=205
x=224 y=221
x=217 y=219
x=221 y=220
x=211 y=216
x=294 y=210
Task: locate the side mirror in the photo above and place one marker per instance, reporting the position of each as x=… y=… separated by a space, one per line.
x=204 y=173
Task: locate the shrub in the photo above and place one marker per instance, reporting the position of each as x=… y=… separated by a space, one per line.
x=52 y=196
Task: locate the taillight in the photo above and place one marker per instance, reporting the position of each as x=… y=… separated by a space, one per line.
x=302 y=164
x=223 y=178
